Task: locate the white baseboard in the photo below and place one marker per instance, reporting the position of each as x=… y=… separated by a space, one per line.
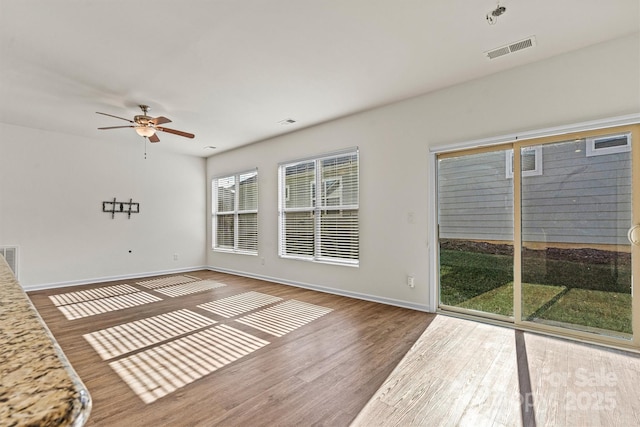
x=319 y=288
x=43 y=286
x=328 y=290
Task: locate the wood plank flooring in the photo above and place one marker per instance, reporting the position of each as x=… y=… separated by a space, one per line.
x=176 y=359
x=461 y=372
x=268 y=354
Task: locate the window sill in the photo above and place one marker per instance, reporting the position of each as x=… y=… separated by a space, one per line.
x=232 y=251
x=355 y=264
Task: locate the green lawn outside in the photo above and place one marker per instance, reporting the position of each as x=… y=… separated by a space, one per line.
x=464 y=275
x=563 y=291
x=500 y=300
x=596 y=309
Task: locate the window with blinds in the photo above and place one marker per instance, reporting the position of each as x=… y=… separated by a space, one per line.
x=319 y=209
x=235 y=213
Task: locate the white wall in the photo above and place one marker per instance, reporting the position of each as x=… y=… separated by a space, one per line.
x=51 y=191
x=596 y=82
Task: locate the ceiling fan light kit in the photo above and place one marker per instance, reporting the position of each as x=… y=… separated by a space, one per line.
x=147 y=126
x=145 y=131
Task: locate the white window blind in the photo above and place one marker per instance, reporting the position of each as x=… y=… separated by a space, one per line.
x=235 y=213
x=319 y=209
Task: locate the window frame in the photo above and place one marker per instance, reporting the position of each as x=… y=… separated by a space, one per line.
x=592 y=141
x=317 y=208
x=314 y=194
x=236 y=212
x=325 y=197
x=537 y=149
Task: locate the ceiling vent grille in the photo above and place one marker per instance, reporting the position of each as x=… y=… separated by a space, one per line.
x=513 y=47
x=287 y=122
x=10 y=254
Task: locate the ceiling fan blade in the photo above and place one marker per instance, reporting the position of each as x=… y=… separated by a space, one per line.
x=116 y=127
x=176 y=132
x=159 y=120
x=154 y=138
x=111 y=115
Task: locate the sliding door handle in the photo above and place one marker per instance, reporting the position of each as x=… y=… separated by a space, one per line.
x=634 y=235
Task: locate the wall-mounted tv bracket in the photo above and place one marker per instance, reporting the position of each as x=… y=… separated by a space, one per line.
x=124 y=207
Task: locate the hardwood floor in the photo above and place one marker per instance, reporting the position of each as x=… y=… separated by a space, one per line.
x=231 y=351
x=462 y=372
x=325 y=355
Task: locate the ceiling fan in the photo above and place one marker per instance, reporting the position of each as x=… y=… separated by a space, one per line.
x=147 y=126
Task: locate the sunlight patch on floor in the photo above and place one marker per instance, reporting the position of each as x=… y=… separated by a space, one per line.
x=166 y=281
x=91 y=294
x=160 y=370
x=127 y=337
x=284 y=317
x=189 y=288
x=239 y=304
x=105 y=305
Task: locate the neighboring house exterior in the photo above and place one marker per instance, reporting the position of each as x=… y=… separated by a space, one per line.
x=576 y=192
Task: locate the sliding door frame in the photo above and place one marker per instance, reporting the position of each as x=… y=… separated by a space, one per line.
x=578 y=131
x=451 y=308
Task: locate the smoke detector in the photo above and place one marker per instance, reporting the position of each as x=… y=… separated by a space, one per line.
x=492 y=17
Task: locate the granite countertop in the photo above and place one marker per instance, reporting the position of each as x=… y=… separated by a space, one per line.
x=38 y=386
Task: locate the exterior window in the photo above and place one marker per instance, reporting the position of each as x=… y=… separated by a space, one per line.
x=320 y=225
x=332 y=191
x=531 y=159
x=601 y=145
x=235 y=213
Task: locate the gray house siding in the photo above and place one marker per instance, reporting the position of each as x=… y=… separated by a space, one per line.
x=577 y=199
x=475 y=198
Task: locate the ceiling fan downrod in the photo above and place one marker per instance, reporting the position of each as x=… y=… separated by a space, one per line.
x=144 y=108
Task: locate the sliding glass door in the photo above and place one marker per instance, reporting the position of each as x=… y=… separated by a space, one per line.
x=541 y=232
x=576 y=258
x=475 y=213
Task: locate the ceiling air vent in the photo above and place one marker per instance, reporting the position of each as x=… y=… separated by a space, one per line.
x=287 y=122
x=513 y=47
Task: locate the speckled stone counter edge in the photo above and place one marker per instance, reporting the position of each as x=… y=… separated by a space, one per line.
x=39 y=386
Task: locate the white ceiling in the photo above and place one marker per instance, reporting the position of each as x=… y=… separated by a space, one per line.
x=230 y=70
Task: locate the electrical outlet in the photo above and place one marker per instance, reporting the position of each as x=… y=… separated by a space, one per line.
x=411 y=281
x=175 y=257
